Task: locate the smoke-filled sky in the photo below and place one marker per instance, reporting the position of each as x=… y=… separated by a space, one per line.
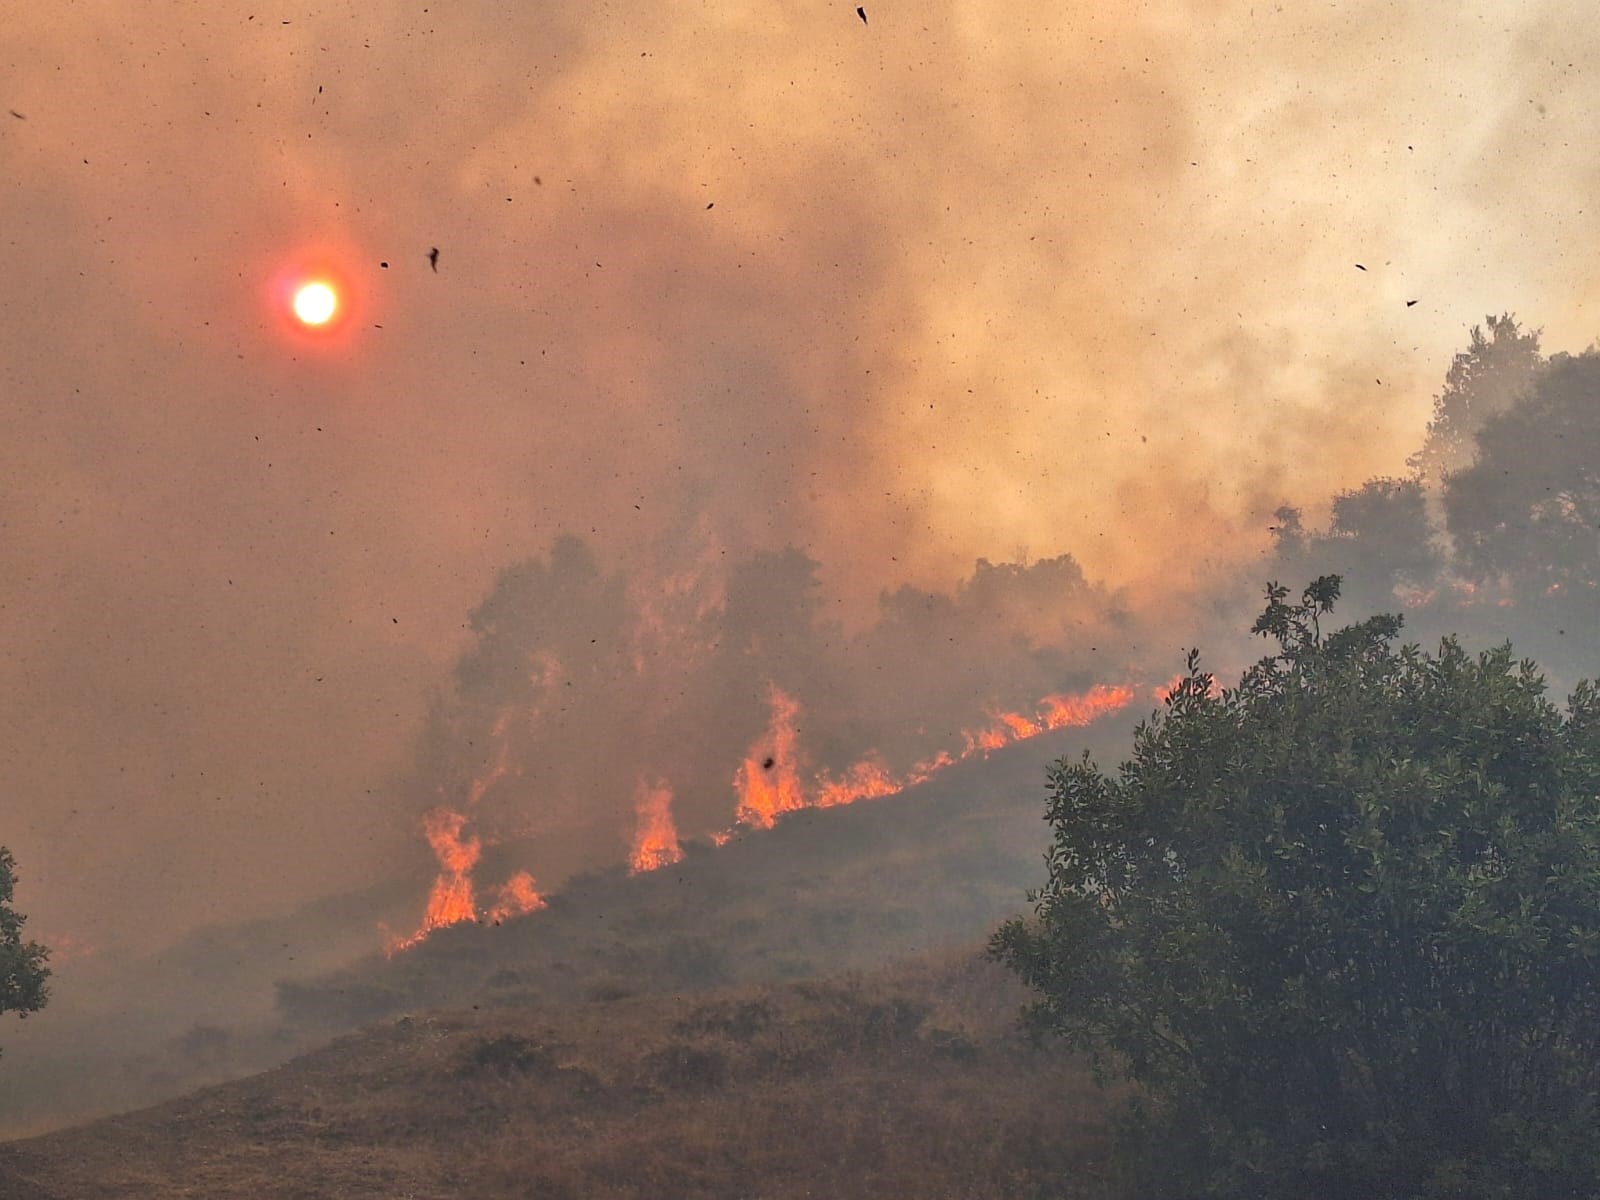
x=965 y=280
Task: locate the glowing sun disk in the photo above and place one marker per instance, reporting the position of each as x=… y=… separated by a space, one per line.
x=315 y=303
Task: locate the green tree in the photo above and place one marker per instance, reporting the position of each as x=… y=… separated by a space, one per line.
x=1340 y=925
x=22 y=969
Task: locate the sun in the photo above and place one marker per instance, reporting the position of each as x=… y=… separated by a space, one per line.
x=315 y=303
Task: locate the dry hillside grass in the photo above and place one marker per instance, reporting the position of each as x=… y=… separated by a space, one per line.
x=914 y=1082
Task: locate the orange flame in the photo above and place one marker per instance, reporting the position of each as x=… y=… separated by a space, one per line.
x=768 y=782
x=517 y=896
x=1166 y=689
x=655 y=836
x=451 y=900
x=863 y=781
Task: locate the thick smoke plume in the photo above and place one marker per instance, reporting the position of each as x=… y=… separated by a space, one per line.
x=968 y=283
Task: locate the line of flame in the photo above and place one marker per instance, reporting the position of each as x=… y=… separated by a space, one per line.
x=768 y=783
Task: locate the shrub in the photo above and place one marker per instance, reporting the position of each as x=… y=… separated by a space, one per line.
x=1340 y=923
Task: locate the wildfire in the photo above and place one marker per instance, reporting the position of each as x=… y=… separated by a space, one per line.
x=453 y=898
x=450 y=900
x=655 y=836
x=1165 y=690
x=517 y=896
x=768 y=782
x=863 y=781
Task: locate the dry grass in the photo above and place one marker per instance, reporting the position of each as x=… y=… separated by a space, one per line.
x=911 y=1083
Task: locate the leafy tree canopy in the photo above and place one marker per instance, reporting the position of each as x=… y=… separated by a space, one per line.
x=1378 y=538
x=1499 y=364
x=22 y=969
x=1528 y=509
x=1341 y=923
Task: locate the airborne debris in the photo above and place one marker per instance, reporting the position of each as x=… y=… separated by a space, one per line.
x=1359 y=267
x=768 y=762
x=433 y=259
x=862 y=13
x=1409 y=303
x=16 y=114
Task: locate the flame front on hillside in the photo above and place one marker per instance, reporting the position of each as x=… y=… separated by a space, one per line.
x=767 y=784
x=768 y=781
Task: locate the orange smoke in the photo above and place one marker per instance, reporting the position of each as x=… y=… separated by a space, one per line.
x=68 y=947
x=655 y=836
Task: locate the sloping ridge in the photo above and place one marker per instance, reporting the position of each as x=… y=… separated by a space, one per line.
x=826 y=892
x=909 y=1082
x=934 y=867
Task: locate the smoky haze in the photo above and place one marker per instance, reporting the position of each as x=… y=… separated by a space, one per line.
x=787 y=319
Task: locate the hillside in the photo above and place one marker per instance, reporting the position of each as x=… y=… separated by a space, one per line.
x=913 y=1082
x=826 y=891
x=934 y=867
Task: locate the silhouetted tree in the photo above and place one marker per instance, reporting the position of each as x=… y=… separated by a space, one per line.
x=1289 y=534
x=1341 y=923
x=1528 y=510
x=1378 y=538
x=22 y=969
x=1486 y=378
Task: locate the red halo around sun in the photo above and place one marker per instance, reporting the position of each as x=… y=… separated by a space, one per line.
x=314 y=299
